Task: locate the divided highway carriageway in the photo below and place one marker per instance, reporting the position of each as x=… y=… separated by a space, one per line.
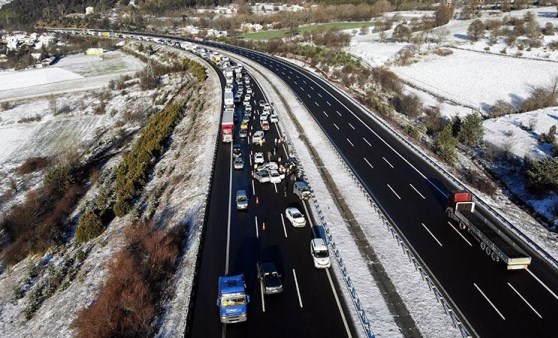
x=494 y=302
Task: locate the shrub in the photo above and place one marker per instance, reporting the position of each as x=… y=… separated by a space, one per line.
x=475 y=30
x=501 y=107
x=443 y=14
x=401 y=33
x=89 y=226
x=542 y=175
x=129 y=301
x=409 y=105
x=387 y=79
x=433 y=121
x=541 y=97
x=548 y=29
x=33 y=164
x=549 y=137
x=471 y=131
x=481 y=183
x=445 y=145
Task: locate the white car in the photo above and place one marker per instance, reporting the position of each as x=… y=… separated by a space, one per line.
x=247 y=97
x=274 y=176
x=259 y=137
x=295 y=217
x=238 y=163
x=249 y=90
x=273 y=118
x=319 y=253
x=248 y=108
x=270 y=166
x=262 y=176
x=259 y=158
x=264 y=117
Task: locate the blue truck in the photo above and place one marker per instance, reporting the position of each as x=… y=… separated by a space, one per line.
x=232 y=299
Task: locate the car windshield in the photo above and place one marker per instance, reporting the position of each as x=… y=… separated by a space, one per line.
x=274 y=173
x=233 y=301
x=297 y=215
x=241 y=198
x=321 y=254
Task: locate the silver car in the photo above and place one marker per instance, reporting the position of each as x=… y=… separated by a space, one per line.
x=241 y=200
x=238 y=163
x=262 y=176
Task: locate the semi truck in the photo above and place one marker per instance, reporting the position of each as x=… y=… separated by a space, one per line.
x=496 y=244
x=232 y=299
x=227 y=126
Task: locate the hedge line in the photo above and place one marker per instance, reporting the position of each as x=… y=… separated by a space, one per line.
x=134 y=169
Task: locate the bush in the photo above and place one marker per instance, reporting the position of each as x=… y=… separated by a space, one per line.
x=33 y=164
x=481 y=183
x=501 y=107
x=433 y=121
x=541 y=97
x=445 y=144
x=387 y=79
x=471 y=131
x=542 y=175
x=129 y=301
x=409 y=105
x=475 y=30
x=401 y=33
x=89 y=226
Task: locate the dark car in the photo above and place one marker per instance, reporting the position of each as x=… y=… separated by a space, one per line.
x=270 y=278
x=237 y=150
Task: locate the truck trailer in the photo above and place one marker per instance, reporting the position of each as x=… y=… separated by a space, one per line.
x=227 y=126
x=493 y=241
x=232 y=299
x=229 y=98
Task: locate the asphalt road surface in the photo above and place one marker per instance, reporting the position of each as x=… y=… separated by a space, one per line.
x=309 y=306
x=496 y=302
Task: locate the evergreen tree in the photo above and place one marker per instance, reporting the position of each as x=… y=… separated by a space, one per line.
x=445 y=144
x=471 y=131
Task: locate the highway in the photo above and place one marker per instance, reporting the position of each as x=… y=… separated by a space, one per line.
x=492 y=301
x=495 y=302
x=310 y=305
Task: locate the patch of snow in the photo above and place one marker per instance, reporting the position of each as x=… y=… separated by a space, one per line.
x=34 y=77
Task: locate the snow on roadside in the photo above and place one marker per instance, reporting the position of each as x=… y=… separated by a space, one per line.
x=421 y=302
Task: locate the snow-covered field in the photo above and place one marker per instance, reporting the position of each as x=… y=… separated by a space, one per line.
x=478 y=79
x=72 y=73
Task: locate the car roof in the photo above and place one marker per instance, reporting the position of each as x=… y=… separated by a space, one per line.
x=318 y=243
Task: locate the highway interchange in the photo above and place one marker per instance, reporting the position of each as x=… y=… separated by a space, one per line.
x=495 y=302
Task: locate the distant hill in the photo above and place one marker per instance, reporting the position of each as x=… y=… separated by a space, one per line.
x=22 y=13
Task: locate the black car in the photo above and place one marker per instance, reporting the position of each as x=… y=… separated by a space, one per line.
x=237 y=150
x=270 y=278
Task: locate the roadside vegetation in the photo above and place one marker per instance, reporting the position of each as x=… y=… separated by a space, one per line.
x=138 y=276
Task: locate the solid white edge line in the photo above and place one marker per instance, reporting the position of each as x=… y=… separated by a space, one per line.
x=418 y=192
x=543 y=284
x=388 y=162
x=525 y=300
x=263 y=296
x=393 y=191
x=297 y=289
x=284 y=227
x=368 y=163
x=431 y=234
x=488 y=300
x=256 y=224
x=460 y=234
x=350 y=142
x=229 y=220
x=338 y=304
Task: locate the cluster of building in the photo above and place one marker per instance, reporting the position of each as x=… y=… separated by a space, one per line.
x=34 y=41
